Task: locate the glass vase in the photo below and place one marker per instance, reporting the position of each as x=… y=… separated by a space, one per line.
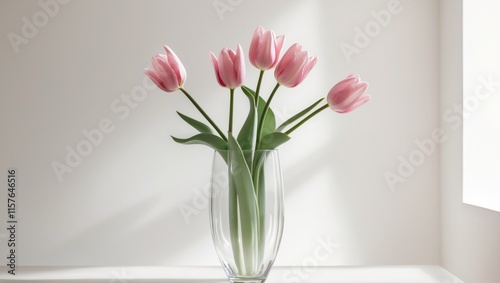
x=246 y=212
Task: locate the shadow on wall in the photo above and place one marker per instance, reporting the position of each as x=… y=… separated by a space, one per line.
x=142 y=234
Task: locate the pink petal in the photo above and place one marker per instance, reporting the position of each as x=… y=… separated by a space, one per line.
x=215 y=63
x=267 y=52
x=349 y=95
x=176 y=65
x=288 y=57
x=343 y=84
x=165 y=73
x=159 y=62
x=226 y=69
x=239 y=66
x=154 y=77
x=280 y=40
x=311 y=62
x=294 y=71
x=254 y=46
x=364 y=99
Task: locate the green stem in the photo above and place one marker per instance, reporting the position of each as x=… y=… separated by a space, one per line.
x=259 y=183
x=264 y=113
x=258 y=87
x=234 y=224
x=204 y=114
x=231 y=103
x=306 y=118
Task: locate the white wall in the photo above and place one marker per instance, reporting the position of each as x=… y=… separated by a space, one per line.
x=120 y=205
x=470 y=245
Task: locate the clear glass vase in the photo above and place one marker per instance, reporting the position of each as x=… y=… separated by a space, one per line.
x=246 y=212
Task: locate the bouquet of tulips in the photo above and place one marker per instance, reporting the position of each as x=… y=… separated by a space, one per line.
x=259 y=131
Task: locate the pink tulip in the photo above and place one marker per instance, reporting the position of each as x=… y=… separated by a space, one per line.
x=348 y=94
x=265 y=49
x=229 y=67
x=294 y=66
x=169 y=74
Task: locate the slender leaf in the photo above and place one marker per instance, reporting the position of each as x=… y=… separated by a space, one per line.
x=206 y=139
x=247 y=134
x=298 y=116
x=248 y=207
x=248 y=91
x=201 y=127
x=273 y=140
x=270 y=121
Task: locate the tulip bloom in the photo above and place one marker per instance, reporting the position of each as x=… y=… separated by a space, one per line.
x=294 y=66
x=229 y=67
x=348 y=94
x=169 y=74
x=265 y=49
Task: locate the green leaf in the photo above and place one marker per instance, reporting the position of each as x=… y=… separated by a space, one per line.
x=298 y=115
x=273 y=140
x=201 y=127
x=248 y=132
x=248 y=91
x=211 y=140
x=270 y=121
x=241 y=176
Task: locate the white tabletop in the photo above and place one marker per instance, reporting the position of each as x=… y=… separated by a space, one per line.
x=149 y=274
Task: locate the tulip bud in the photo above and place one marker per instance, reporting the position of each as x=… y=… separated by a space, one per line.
x=169 y=74
x=294 y=66
x=229 y=67
x=265 y=49
x=348 y=94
